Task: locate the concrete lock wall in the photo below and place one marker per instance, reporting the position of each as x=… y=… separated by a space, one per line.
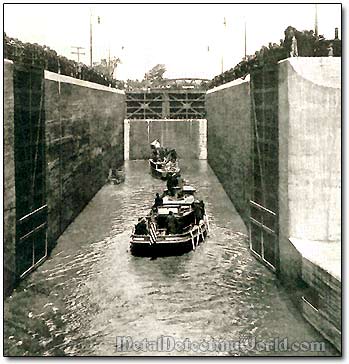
x=84 y=138
x=9 y=181
x=310 y=152
x=229 y=140
x=188 y=137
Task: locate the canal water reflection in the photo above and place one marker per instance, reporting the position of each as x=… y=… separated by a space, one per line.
x=92 y=290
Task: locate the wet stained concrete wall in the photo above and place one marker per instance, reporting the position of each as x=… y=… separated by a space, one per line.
x=310 y=146
x=309 y=177
x=9 y=207
x=84 y=137
x=187 y=136
x=229 y=138
x=310 y=186
x=310 y=155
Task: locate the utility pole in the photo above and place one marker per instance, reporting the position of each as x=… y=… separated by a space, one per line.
x=78 y=52
x=316 y=22
x=109 y=69
x=91 y=38
x=245 y=41
x=223 y=45
x=91 y=41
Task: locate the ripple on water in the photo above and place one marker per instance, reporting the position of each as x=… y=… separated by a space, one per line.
x=93 y=290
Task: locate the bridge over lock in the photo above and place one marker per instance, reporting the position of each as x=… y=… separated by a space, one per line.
x=62 y=135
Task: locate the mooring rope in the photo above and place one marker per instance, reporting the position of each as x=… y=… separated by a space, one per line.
x=206 y=220
x=202 y=234
x=192 y=239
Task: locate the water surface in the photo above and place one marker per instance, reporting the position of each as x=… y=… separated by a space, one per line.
x=92 y=290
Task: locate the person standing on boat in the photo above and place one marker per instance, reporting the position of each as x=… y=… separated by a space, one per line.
x=175 y=179
x=197 y=212
x=162 y=154
x=171 y=183
x=158 y=201
x=172 y=224
x=141 y=227
x=180 y=181
x=202 y=207
x=173 y=155
x=155 y=155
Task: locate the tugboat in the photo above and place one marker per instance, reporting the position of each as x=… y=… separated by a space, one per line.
x=162 y=169
x=176 y=227
x=163 y=162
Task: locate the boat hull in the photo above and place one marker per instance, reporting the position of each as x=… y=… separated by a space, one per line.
x=168 y=244
x=158 y=170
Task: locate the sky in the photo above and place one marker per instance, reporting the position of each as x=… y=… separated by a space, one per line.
x=190 y=40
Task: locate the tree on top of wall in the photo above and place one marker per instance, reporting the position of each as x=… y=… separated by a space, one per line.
x=43 y=56
x=309 y=45
x=156 y=73
x=107 y=68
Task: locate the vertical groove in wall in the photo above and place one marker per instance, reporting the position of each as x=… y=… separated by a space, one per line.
x=283 y=111
x=203 y=139
x=60 y=159
x=9 y=208
x=126 y=139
